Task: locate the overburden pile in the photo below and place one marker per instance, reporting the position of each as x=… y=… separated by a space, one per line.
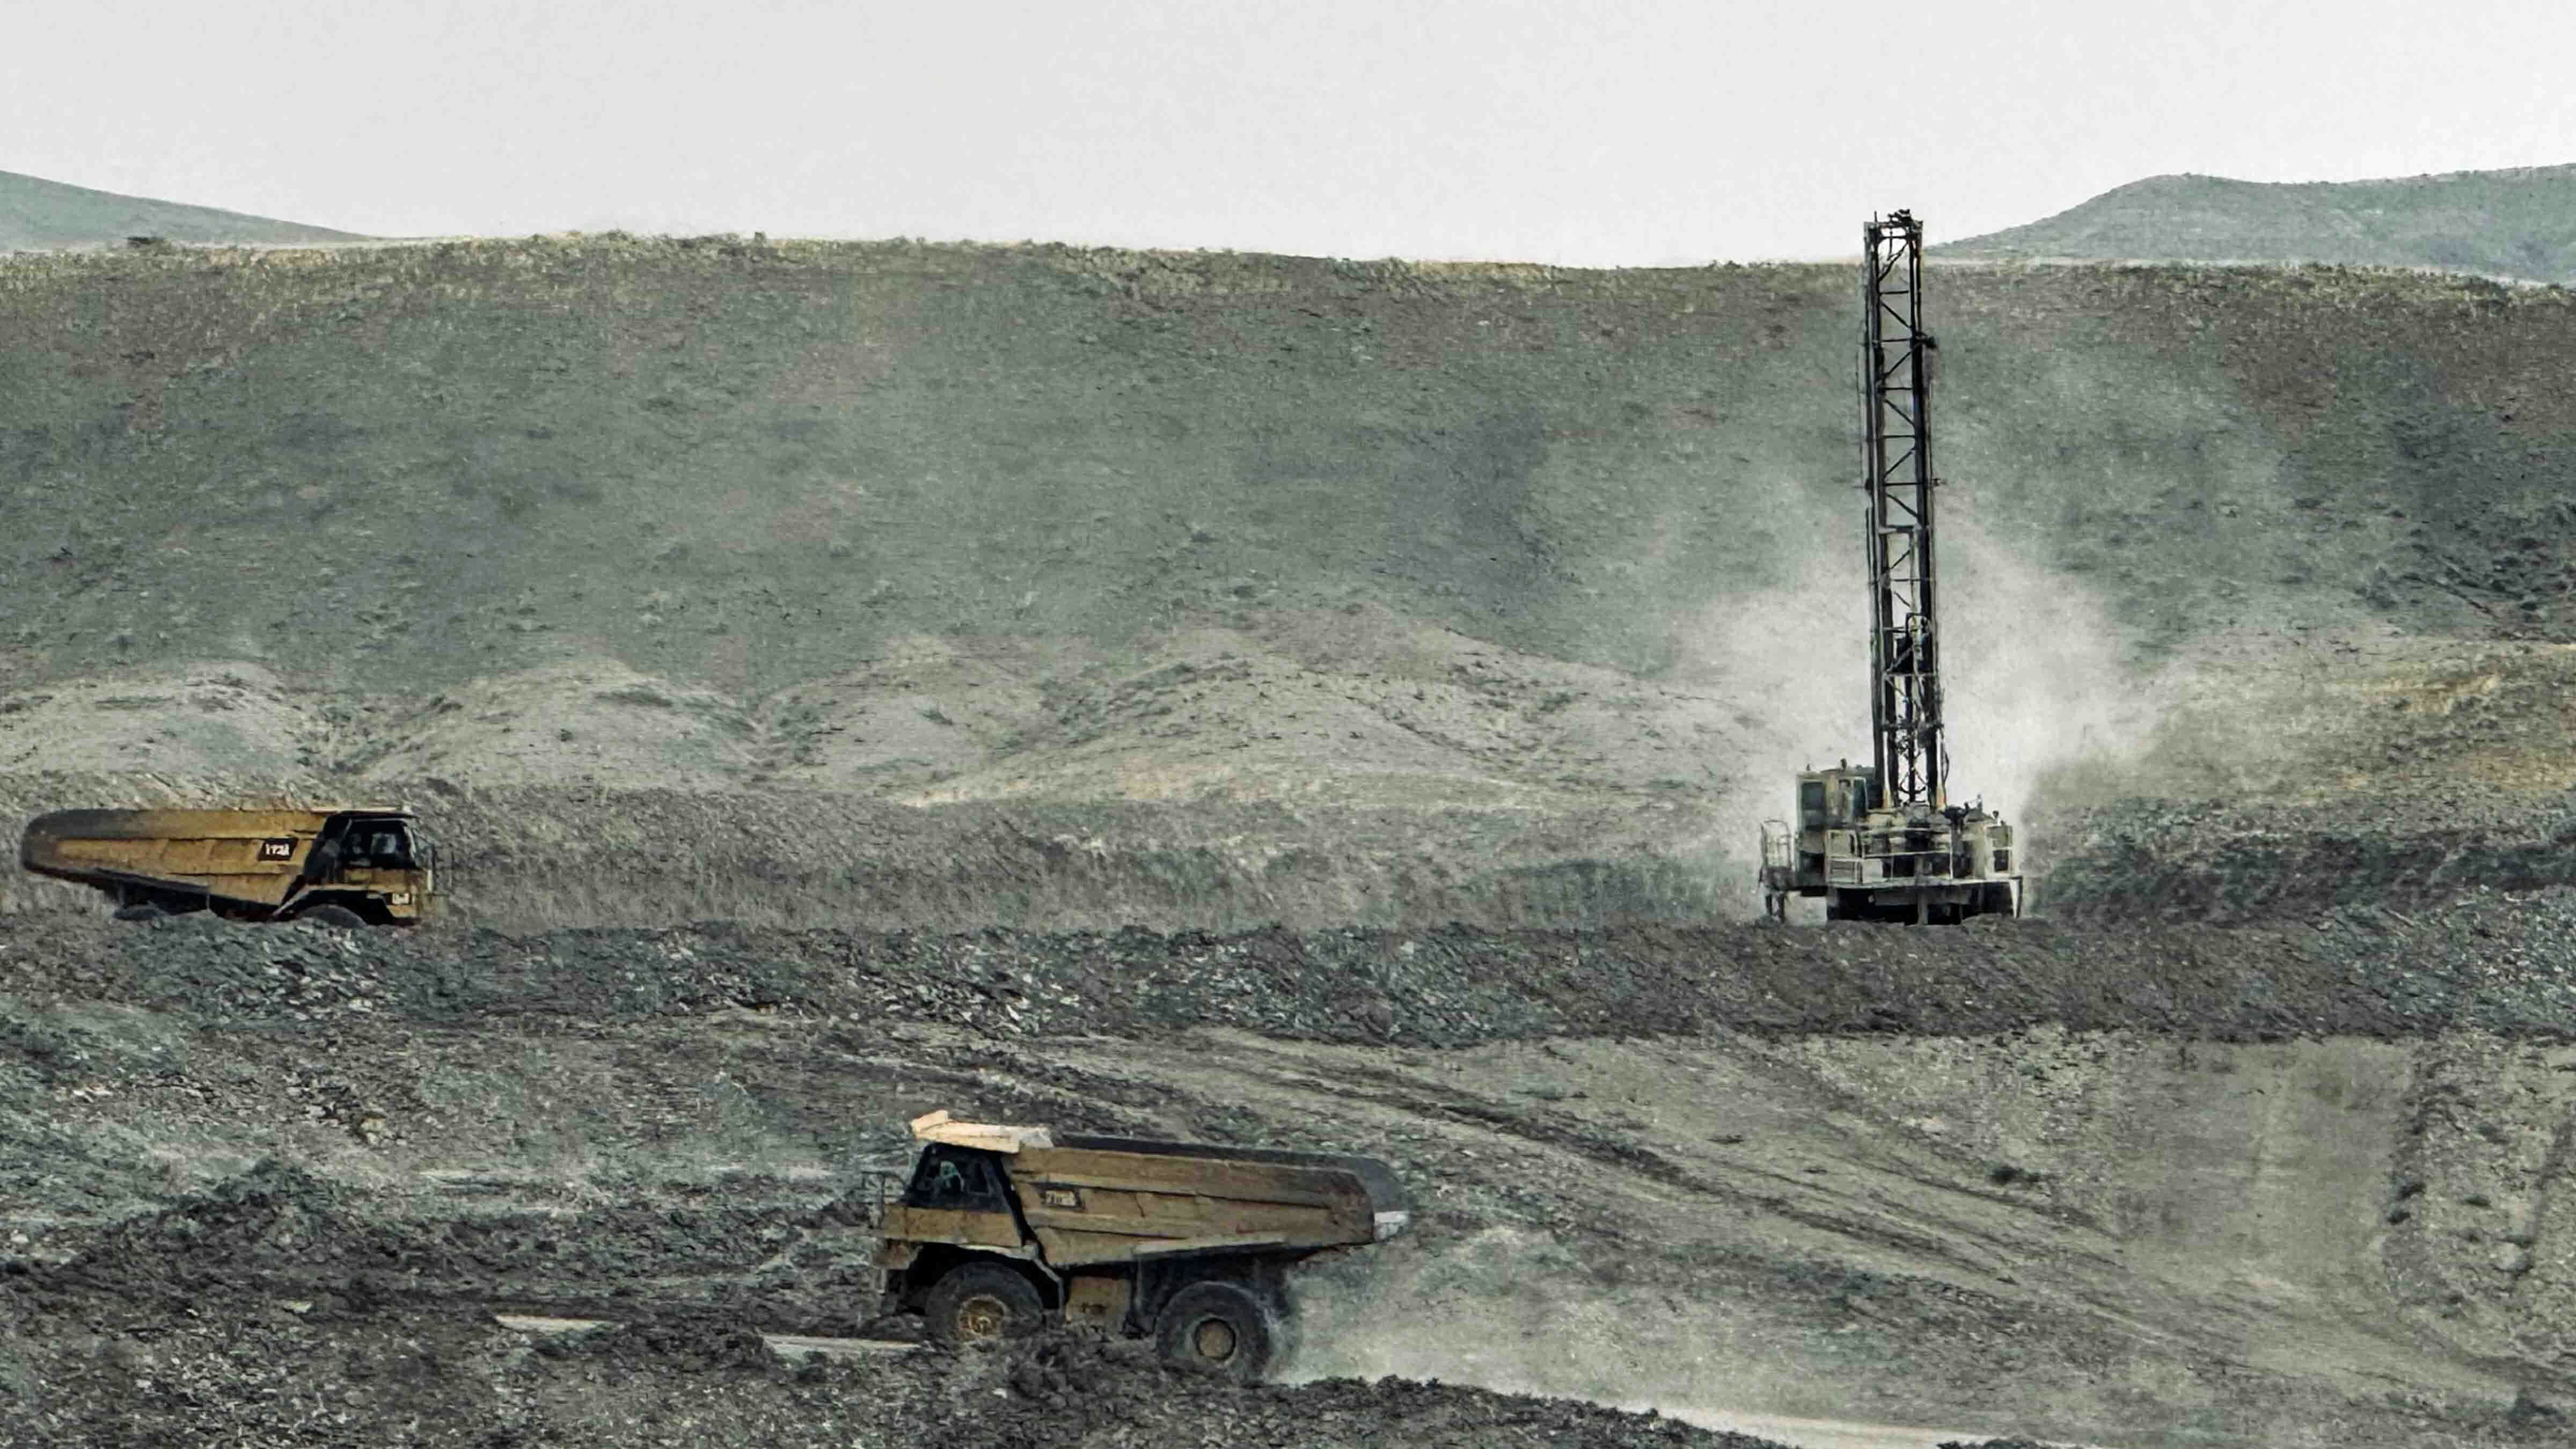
x=2500 y=962
x=103 y=1351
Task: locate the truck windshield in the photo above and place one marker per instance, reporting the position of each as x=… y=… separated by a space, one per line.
x=951 y=1177
x=378 y=845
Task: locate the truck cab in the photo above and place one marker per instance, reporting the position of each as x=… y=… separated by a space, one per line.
x=379 y=865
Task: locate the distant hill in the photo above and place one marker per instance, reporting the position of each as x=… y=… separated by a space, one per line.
x=40 y=215
x=2519 y=223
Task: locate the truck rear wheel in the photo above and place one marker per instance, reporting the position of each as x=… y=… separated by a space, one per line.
x=981 y=1303
x=1223 y=1328
x=338 y=918
x=140 y=911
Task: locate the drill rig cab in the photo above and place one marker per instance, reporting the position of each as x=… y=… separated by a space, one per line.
x=1928 y=867
x=1881 y=841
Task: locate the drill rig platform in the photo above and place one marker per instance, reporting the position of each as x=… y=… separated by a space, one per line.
x=1881 y=841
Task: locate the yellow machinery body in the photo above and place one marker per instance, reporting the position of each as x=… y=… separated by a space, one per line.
x=1111 y=1228
x=253 y=864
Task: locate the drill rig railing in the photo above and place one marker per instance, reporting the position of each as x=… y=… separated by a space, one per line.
x=1896 y=474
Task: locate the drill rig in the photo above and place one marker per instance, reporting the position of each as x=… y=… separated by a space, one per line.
x=1881 y=841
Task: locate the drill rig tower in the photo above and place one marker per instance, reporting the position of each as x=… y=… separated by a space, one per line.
x=1882 y=841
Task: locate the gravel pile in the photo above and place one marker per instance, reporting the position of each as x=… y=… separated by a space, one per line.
x=82 y=1364
x=279 y=1232
x=2495 y=960
x=2162 y=860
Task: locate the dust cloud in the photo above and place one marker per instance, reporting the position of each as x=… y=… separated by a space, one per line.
x=1507 y=1309
x=1522 y=1312
x=2037 y=674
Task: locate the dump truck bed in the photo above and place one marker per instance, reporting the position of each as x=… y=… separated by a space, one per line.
x=1385 y=1193
x=244 y=855
x=1115 y=1199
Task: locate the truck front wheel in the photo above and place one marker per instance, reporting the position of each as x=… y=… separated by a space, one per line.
x=1224 y=1328
x=981 y=1303
x=338 y=918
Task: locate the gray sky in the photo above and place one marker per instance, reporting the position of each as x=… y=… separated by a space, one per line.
x=1601 y=133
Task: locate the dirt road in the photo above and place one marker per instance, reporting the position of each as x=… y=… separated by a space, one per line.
x=1798 y=1433
x=1836 y=1433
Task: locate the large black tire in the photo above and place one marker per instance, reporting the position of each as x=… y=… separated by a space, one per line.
x=140 y=911
x=1226 y=1329
x=981 y=1303
x=338 y=918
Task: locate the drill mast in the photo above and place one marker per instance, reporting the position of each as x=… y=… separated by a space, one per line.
x=1881 y=841
x=1896 y=473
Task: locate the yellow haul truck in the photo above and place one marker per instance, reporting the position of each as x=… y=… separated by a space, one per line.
x=332 y=867
x=1000 y=1226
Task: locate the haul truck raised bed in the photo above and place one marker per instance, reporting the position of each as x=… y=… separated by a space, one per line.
x=999 y=1227
x=331 y=867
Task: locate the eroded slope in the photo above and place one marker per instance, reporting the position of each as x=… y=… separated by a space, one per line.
x=1040 y=524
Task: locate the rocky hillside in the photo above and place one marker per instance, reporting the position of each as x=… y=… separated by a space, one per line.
x=756 y=465
x=37 y=215
x=1517 y=549
x=2518 y=224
